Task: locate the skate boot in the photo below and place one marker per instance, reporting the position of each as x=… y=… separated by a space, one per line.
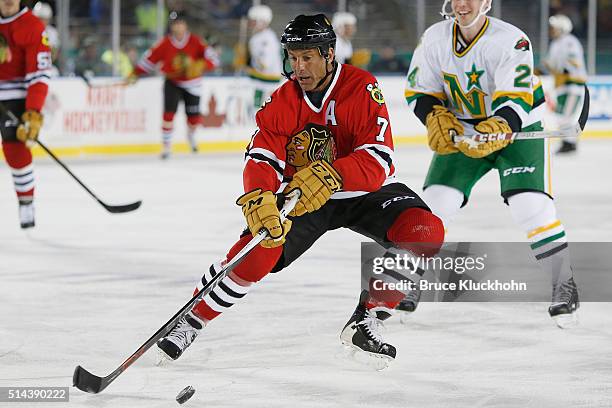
x=361 y=335
x=564 y=304
x=567 y=147
x=193 y=144
x=408 y=305
x=166 y=150
x=180 y=337
x=26 y=214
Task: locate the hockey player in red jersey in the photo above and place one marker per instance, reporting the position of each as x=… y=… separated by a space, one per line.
x=184 y=57
x=322 y=99
x=25 y=64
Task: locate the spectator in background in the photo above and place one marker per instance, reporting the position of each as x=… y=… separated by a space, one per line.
x=88 y=62
x=44 y=12
x=125 y=65
x=146 y=18
x=345 y=26
x=389 y=61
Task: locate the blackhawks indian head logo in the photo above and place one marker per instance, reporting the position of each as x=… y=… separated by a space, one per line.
x=315 y=142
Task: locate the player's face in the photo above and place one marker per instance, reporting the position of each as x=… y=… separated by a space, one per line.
x=309 y=67
x=466 y=10
x=554 y=33
x=178 y=29
x=9 y=7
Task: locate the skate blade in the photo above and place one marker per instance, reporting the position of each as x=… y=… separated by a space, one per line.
x=162 y=359
x=566 y=321
x=372 y=360
x=405 y=317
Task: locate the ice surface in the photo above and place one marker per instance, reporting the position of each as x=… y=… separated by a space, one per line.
x=88 y=287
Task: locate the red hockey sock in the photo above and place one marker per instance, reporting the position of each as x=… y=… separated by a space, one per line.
x=19 y=159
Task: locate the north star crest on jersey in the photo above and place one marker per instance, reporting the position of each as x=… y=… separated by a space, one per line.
x=315 y=142
x=474 y=77
x=376 y=93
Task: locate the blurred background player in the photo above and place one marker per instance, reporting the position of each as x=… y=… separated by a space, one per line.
x=453 y=88
x=345 y=26
x=323 y=103
x=184 y=57
x=25 y=65
x=45 y=13
x=265 y=65
x=565 y=61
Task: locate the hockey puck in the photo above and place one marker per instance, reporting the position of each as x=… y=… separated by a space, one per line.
x=185 y=394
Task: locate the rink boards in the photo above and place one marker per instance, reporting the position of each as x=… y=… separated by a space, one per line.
x=115 y=119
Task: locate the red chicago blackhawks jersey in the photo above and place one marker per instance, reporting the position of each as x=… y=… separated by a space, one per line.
x=25 y=72
x=174 y=57
x=353 y=108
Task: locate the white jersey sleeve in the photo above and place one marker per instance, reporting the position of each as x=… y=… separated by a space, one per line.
x=513 y=74
x=424 y=75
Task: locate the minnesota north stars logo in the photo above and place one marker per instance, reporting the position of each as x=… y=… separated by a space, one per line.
x=471 y=99
x=522 y=44
x=376 y=93
x=474 y=78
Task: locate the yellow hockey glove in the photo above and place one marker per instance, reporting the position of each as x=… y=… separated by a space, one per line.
x=476 y=150
x=194 y=68
x=260 y=210
x=317 y=182
x=5 y=51
x=440 y=122
x=30 y=126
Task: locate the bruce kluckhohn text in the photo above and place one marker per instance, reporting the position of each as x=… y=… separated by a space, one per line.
x=461 y=285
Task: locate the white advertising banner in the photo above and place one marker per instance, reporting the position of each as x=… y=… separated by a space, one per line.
x=108 y=114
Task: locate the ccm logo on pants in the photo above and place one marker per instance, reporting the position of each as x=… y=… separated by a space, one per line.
x=394 y=199
x=518 y=170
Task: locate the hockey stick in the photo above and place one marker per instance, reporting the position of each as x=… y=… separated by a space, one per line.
x=573 y=131
x=88 y=382
x=91 y=85
x=115 y=209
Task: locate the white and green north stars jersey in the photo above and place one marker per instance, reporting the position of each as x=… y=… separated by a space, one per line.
x=265 y=52
x=565 y=60
x=475 y=80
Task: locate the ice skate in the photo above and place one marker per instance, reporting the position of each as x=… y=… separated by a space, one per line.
x=567 y=147
x=408 y=305
x=361 y=335
x=193 y=144
x=166 y=150
x=180 y=337
x=26 y=215
x=564 y=304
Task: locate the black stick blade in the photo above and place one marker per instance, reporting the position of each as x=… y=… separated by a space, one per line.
x=584 y=114
x=117 y=209
x=86 y=381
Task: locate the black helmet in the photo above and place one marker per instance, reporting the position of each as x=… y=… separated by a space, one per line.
x=176 y=15
x=309 y=32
